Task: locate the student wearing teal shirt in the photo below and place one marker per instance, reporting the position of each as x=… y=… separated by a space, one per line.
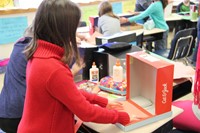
x=140 y=6
x=156 y=12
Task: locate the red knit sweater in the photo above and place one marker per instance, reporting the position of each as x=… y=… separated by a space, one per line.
x=52 y=98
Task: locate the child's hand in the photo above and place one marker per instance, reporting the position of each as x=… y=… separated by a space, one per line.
x=80 y=37
x=78 y=40
x=114 y=105
x=76 y=68
x=96 y=89
x=123 y=20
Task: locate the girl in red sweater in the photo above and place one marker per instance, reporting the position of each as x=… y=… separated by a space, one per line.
x=52 y=98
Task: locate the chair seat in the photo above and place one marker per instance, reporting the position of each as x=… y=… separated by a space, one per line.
x=186 y=120
x=163 y=53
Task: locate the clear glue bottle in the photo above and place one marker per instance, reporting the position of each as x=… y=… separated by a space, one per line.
x=117 y=72
x=94 y=73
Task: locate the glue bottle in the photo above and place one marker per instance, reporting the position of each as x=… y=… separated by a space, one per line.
x=117 y=72
x=94 y=73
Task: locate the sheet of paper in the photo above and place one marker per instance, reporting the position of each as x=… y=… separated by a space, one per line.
x=134 y=112
x=183 y=71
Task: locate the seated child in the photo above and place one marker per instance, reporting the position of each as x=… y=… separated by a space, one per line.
x=108 y=22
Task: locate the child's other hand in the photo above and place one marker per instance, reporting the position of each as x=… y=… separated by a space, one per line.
x=78 y=40
x=96 y=89
x=123 y=20
x=76 y=68
x=114 y=105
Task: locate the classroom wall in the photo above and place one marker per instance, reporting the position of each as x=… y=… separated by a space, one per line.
x=5 y=49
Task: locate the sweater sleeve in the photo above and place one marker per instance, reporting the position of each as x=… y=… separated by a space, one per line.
x=152 y=8
x=95 y=99
x=62 y=87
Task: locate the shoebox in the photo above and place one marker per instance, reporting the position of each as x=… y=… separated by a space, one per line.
x=149 y=89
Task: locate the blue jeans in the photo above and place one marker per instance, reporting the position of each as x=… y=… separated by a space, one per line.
x=1 y=131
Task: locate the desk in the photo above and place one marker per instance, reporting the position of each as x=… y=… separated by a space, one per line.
x=108 y=128
x=151 y=35
x=138 y=31
x=149 y=32
x=155 y=32
x=181 y=87
x=177 y=17
x=174 y=19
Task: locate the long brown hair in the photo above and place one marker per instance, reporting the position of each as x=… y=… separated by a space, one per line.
x=56 y=21
x=164 y=3
x=106 y=8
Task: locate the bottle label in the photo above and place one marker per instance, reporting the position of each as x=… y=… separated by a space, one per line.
x=118 y=74
x=94 y=76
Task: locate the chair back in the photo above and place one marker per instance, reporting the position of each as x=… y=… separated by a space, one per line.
x=183 y=44
x=82 y=24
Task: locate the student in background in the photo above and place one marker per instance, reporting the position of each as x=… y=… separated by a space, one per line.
x=140 y=6
x=181 y=8
x=108 y=22
x=184 y=6
x=189 y=120
x=156 y=12
x=52 y=98
x=14 y=86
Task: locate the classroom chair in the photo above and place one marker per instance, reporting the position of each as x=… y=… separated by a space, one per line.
x=148 y=40
x=181 y=46
x=82 y=24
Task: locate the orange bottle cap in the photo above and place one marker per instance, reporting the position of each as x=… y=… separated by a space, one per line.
x=118 y=63
x=93 y=64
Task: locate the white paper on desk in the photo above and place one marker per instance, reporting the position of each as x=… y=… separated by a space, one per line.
x=83 y=29
x=85 y=44
x=182 y=71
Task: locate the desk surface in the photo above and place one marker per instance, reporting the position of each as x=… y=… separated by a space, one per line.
x=107 y=128
x=138 y=31
x=177 y=17
x=173 y=17
x=149 y=32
